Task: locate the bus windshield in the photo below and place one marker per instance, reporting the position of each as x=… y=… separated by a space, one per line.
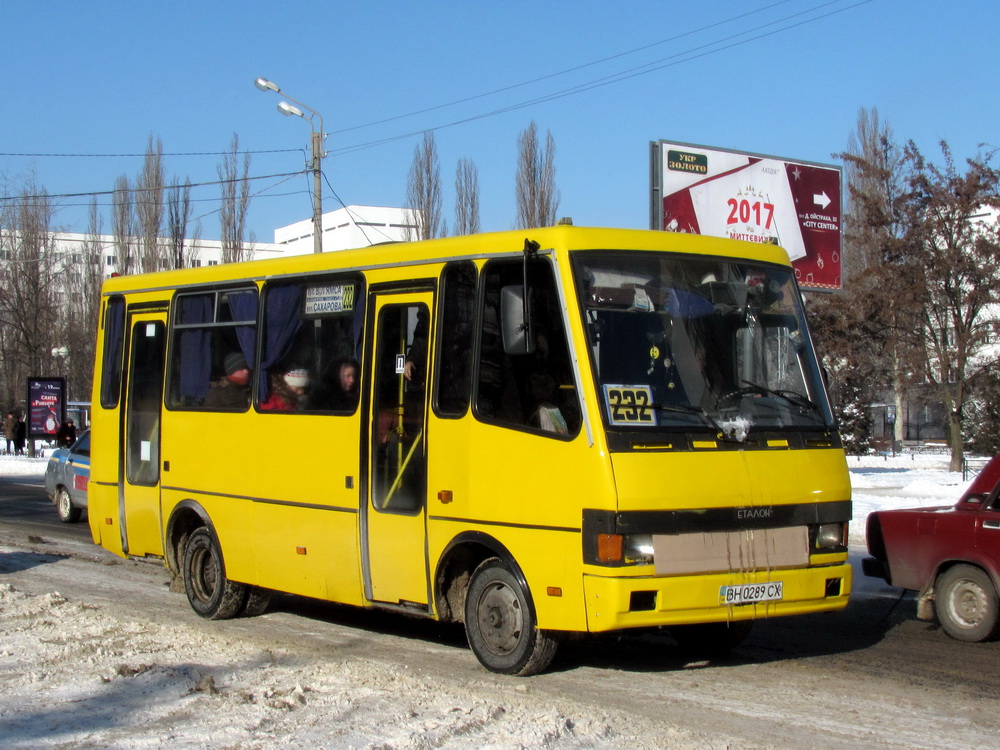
x=699 y=343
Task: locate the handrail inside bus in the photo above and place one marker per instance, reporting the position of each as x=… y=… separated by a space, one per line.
x=402 y=470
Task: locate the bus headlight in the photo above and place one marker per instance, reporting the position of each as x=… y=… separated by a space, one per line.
x=638 y=549
x=830 y=536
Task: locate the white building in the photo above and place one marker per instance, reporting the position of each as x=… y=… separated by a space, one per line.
x=346 y=228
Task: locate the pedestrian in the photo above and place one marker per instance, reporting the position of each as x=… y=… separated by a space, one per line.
x=20 y=436
x=10 y=430
x=67 y=434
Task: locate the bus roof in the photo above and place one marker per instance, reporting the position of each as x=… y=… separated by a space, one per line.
x=560 y=238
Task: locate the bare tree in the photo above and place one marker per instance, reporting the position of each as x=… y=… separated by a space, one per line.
x=423 y=191
x=956 y=259
x=80 y=282
x=148 y=201
x=883 y=338
x=236 y=244
x=466 y=197
x=178 y=218
x=123 y=226
x=535 y=184
x=874 y=167
x=28 y=277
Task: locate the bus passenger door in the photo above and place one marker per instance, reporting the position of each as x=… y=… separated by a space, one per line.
x=394 y=530
x=139 y=469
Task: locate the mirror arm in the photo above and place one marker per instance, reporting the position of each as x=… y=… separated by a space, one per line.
x=530 y=250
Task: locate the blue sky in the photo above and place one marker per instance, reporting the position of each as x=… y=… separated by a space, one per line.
x=99 y=78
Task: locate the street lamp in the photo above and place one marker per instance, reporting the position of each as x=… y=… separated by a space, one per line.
x=317 y=153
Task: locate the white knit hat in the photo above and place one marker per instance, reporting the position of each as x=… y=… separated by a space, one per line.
x=297 y=378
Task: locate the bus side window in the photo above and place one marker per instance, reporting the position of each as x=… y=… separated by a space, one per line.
x=214 y=336
x=314 y=328
x=458 y=314
x=114 y=344
x=536 y=390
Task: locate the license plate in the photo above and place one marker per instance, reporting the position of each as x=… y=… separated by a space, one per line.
x=751 y=592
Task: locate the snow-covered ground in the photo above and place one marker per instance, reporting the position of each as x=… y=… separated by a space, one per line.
x=905 y=481
x=74 y=674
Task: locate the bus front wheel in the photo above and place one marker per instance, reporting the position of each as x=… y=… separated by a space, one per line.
x=210 y=593
x=500 y=623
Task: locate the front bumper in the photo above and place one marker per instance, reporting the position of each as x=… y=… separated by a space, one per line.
x=615 y=603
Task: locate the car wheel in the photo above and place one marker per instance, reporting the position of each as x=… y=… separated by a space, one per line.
x=500 y=623
x=67 y=512
x=712 y=638
x=966 y=604
x=211 y=594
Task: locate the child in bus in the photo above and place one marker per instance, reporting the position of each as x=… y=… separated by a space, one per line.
x=287 y=391
x=339 y=390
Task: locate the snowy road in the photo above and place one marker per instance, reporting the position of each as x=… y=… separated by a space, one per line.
x=97 y=652
x=115 y=659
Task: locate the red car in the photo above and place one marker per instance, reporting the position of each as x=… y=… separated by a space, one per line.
x=951 y=555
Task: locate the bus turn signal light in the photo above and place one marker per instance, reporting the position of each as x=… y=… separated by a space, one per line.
x=609 y=547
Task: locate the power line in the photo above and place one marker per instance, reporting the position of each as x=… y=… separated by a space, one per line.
x=175 y=186
x=559 y=73
x=694 y=53
x=178 y=153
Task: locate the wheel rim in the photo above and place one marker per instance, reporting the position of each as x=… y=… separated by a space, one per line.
x=205 y=574
x=501 y=620
x=65 y=505
x=967 y=603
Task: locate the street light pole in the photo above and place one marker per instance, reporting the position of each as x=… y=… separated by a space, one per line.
x=317 y=153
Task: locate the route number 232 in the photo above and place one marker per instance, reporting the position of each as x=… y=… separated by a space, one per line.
x=630 y=405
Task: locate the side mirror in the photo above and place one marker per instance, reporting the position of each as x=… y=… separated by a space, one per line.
x=515 y=325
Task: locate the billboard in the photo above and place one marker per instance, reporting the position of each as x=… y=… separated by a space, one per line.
x=46 y=405
x=755 y=198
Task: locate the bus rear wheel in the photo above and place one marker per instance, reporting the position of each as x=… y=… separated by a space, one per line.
x=500 y=623
x=210 y=593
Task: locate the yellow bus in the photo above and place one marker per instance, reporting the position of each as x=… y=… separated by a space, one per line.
x=537 y=433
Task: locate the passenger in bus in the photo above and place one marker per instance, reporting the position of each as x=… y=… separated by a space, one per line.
x=339 y=389
x=416 y=355
x=232 y=390
x=547 y=416
x=288 y=390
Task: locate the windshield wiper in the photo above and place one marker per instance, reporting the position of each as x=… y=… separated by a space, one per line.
x=793 y=398
x=722 y=432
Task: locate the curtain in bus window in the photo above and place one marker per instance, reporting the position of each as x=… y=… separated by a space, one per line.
x=281 y=323
x=195 y=345
x=243 y=307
